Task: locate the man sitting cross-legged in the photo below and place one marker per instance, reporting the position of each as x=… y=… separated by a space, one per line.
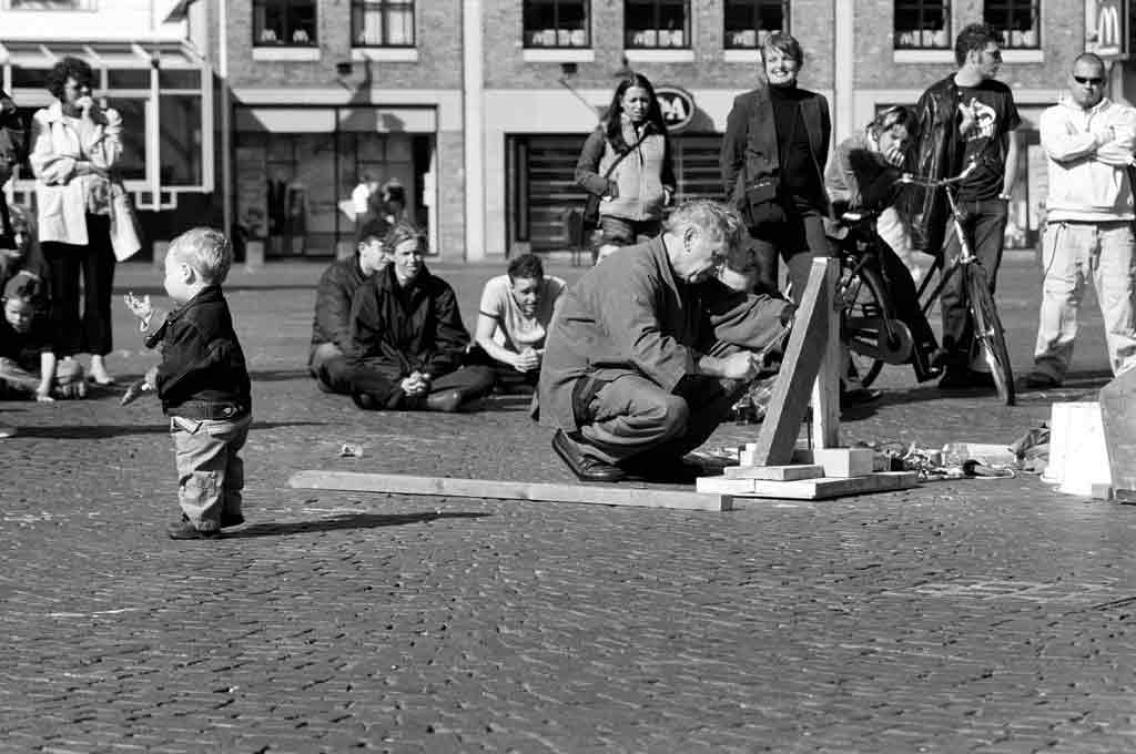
x=331 y=329
x=649 y=350
x=407 y=337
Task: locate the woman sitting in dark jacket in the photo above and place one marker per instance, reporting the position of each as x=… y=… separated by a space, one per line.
x=407 y=338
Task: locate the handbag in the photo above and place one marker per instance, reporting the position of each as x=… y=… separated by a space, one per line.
x=125 y=231
x=762 y=202
x=590 y=220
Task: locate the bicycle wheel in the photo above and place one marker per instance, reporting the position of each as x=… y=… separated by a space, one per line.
x=988 y=333
x=862 y=298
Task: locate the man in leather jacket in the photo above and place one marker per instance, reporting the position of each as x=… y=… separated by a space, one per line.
x=966 y=116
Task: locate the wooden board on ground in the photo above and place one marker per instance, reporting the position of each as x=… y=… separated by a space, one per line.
x=402 y=484
x=789 y=473
x=808 y=489
x=804 y=354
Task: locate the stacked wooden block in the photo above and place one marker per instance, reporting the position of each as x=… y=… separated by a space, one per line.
x=814 y=475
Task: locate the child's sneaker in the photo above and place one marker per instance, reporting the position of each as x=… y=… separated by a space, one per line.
x=183 y=529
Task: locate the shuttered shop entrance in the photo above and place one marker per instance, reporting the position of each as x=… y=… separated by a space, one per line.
x=543 y=191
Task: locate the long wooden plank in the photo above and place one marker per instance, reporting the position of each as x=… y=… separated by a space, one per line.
x=826 y=389
x=402 y=484
x=808 y=489
x=792 y=391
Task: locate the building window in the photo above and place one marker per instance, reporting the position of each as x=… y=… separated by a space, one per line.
x=284 y=23
x=382 y=23
x=748 y=22
x=655 y=24
x=556 y=23
x=1018 y=20
x=922 y=25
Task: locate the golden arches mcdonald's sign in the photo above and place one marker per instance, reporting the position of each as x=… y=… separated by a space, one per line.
x=1106 y=26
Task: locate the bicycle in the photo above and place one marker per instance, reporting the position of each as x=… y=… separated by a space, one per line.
x=989 y=335
x=869 y=327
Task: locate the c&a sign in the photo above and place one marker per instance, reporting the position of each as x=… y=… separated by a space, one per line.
x=677 y=106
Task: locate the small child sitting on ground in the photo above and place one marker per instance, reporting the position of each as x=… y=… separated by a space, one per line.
x=28 y=367
x=202 y=382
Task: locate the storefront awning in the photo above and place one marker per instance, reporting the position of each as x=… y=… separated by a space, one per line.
x=171 y=54
x=162 y=89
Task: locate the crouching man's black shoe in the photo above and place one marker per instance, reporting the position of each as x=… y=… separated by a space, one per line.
x=586 y=468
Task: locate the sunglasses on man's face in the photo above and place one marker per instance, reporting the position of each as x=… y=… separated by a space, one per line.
x=1088 y=80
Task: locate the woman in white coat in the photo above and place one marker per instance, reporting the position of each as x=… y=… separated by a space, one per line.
x=75 y=144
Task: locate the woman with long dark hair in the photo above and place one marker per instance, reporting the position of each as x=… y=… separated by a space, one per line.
x=75 y=144
x=626 y=162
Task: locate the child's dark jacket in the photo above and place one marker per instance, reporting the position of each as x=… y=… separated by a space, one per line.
x=203 y=373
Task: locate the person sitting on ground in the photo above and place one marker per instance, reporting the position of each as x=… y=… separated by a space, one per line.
x=28 y=366
x=862 y=175
x=516 y=310
x=407 y=337
x=648 y=352
x=331 y=328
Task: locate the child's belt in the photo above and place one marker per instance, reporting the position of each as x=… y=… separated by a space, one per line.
x=207 y=410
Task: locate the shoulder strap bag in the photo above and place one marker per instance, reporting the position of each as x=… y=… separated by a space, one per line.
x=591 y=216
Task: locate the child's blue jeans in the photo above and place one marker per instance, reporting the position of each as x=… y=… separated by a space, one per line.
x=211 y=473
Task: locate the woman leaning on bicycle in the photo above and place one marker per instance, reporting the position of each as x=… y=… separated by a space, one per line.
x=862 y=176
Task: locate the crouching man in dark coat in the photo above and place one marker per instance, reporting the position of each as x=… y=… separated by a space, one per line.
x=649 y=350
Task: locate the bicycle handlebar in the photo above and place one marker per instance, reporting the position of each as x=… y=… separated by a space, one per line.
x=928 y=182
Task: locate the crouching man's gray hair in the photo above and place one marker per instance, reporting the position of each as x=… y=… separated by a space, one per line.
x=714 y=218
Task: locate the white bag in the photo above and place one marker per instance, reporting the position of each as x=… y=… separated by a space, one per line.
x=125 y=233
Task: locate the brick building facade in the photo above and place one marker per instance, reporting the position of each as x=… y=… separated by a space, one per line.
x=479 y=107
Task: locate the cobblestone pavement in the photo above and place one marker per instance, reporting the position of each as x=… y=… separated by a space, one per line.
x=986 y=616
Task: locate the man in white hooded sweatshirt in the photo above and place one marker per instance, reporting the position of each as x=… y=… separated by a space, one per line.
x=1089 y=140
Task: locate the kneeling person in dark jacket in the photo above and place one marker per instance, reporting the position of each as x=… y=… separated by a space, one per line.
x=407 y=336
x=331 y=328
x=203 y=384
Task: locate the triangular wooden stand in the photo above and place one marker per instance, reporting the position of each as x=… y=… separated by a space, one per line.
x=810 y=372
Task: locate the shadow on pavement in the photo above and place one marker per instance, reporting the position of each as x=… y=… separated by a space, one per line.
x=98 y=432
x=279 y=375
x=860 y=411
x=351 y=521
x=510 y=403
